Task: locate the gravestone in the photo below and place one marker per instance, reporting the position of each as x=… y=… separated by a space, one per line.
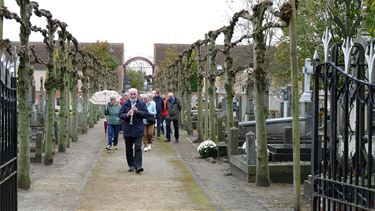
x=233 y=141
x=220 y=129
x=194 y=102
x=286 y=103
x=284 y=151
x=37 y=125
x=251 y=148
x=224 y=107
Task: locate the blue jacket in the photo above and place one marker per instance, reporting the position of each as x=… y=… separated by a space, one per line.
x=137 y=129
x=151 y=110
x=159 y=105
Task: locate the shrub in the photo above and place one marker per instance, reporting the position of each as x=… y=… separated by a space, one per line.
x=207 y=149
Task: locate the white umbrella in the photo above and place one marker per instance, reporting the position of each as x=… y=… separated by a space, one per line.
x=103 y=97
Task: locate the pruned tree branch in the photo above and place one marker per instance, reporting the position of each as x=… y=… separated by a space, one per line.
x=36 y=58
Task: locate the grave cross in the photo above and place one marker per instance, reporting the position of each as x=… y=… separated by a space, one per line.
x=307 y=70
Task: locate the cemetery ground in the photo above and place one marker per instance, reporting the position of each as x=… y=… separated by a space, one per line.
x=87 y=177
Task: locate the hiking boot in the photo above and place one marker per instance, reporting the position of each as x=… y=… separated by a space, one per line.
x=109 y=147
x=115 y=147
x=131 y=169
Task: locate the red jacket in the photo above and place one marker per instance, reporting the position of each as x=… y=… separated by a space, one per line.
x=164 y=112
x=122 y=101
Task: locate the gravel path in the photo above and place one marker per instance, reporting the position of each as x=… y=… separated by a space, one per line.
x=87 y=177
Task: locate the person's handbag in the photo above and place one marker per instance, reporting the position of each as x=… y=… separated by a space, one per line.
x=151 y=119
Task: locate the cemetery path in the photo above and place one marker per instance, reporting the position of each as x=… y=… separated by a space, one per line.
x=87 y=177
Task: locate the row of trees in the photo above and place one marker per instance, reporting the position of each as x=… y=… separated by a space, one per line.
x=67 y=63
x=198 y=62
x=204 y=61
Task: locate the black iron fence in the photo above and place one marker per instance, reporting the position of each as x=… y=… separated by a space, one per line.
x=8 y=139
x=342 y=158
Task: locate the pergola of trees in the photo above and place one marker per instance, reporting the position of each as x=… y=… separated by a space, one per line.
x=261 y=17
x=206 y=69
x=67 y=64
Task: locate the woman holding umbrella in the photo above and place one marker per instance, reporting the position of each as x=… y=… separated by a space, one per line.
x=112 y=112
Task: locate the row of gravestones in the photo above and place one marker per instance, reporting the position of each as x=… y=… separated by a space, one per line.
x=38 y=133
x=37 y=124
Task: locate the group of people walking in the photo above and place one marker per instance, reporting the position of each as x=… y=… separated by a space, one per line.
x=136 y=116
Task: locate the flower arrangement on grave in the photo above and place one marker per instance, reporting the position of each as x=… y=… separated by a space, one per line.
x=207 y=149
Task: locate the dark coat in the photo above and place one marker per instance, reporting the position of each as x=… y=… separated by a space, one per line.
x=173 y=109
x=159 y=105
x=137 y=129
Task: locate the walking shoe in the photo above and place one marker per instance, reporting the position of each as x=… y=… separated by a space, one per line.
x=145 y=148
x=138 y=170
x=131 y=169
x=177 y=141
x=109 y=147
x=115 y=147
x=149 y=147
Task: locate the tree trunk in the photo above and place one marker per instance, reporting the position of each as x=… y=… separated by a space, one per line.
x=229 y=82
x=63 y=121
x=295 y=98
x=69 y=73
x=25 y=73
x=229 y=100
x=91 y=106
x=96 y=114
x=211 y=94
x=206 y=116
x=183 y=107
x=211 y=89
x=200 y=98
x=189 y=124
x=262 y=169
x=50 y=86
x=74 y=119
x=91 y=115
x=84 y=104
x=200 y=109
x=67 y=114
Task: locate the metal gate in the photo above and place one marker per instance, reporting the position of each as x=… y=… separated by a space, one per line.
x=343 y=123
x=8 y=138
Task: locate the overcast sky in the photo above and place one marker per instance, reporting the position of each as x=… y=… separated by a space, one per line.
x=136 y=23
